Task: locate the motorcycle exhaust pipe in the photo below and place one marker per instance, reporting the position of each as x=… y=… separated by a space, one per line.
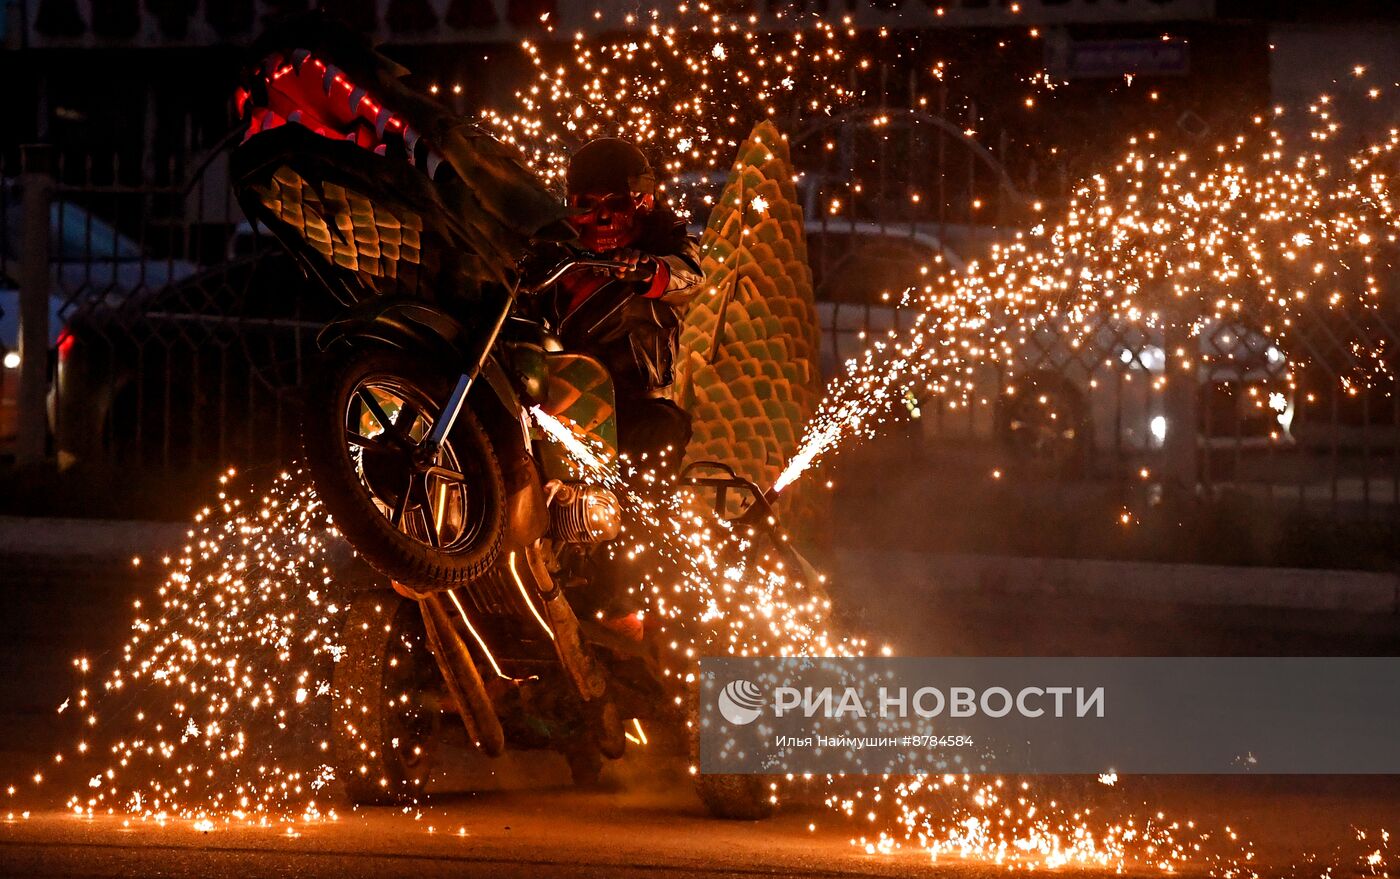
x=464 y=682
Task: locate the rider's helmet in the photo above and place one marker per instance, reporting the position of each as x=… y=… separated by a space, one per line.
x=611 y=188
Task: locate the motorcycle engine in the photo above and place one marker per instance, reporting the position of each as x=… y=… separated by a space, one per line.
x=583 y=513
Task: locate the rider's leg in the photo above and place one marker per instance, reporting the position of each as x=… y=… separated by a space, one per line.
x=653 y=431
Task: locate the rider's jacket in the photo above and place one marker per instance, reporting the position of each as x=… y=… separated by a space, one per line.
x=632 y=326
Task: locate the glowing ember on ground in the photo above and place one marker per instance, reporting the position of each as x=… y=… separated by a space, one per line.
x=207 y=714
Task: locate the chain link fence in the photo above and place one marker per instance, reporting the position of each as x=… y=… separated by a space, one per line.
x=890 y=191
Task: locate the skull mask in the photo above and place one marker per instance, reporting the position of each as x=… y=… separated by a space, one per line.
x=607 y=221
x=611 y=189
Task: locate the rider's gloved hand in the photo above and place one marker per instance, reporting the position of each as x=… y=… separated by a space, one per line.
x=640 y=266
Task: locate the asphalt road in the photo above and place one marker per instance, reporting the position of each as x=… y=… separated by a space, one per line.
x=526 y=822
x=1294 y=828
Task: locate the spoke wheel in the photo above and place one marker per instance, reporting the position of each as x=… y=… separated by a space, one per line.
x=429 y=497
x=430 y=518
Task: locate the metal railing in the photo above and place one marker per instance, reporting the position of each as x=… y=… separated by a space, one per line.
x=178 y=338
x=1281 y=421
x=1283 y=427
x=175 y=337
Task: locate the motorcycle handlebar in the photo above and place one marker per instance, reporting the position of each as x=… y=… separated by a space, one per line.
x=569 y=265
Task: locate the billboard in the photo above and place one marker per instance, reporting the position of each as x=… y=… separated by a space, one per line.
x=73 y=23
x=1093 y=59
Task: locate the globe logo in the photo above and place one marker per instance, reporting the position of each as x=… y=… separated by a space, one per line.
x=740 y=702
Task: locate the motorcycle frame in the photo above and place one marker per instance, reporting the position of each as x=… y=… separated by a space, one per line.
x=426 y=329
x=475 y=359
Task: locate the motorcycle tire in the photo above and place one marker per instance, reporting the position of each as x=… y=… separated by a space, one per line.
x=585 y=765
x=346 y=490
x=383 y=747
x=730 y=797
x=735 y=797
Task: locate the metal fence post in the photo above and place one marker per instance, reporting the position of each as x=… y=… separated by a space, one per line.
x=1180 y=399
x=36 y=182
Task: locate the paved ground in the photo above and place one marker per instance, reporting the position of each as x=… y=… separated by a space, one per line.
x=1294 y=827
x=648 y=823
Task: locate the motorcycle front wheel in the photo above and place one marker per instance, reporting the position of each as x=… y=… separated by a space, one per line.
x=428 y=520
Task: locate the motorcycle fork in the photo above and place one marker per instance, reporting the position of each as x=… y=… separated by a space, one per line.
x=579 y=663
x=475 y=359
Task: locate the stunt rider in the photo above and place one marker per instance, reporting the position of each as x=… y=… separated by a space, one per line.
x=629 y=318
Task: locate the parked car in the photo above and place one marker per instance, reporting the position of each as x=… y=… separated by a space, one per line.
x=10 y=360
x=198 y=372
x=89 y=259
x=1066 y=401
x=859 y=274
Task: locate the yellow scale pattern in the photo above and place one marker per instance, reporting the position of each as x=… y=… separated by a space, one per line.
x=365 y=239
x=748 y=369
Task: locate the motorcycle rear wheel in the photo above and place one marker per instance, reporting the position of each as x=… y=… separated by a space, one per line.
x=411 y=523
x=735 y=797
x=732 y=797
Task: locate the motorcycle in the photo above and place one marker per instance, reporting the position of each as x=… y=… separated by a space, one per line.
x=423 y=439
x=490 y=531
